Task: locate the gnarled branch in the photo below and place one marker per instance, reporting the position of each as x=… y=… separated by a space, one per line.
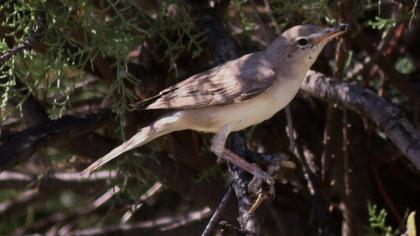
x=391 y=120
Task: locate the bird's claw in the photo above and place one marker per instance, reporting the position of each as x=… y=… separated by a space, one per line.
x=262 y=186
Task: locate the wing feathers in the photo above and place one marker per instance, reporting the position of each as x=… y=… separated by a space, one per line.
x=233 y=82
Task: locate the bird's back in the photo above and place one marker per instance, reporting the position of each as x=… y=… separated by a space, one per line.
x=233 y=82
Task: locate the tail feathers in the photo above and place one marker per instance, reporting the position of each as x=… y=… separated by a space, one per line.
x=161 y=127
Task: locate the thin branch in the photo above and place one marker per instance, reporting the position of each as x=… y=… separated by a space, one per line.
x=55 y=181
x=34 y=36
x=186 y=184
x=388 y=201
x=152 y=191
x=260 y=22
x=77 y=214
x=399 y=80
x=312 y=180
x=270 y=13
x=160 y=224
x=216 y=217
x=189 y=218
x=21 y=201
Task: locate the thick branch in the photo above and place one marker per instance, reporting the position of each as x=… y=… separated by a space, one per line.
x=387 y=117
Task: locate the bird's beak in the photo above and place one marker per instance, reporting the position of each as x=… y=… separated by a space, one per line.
x=331 y=33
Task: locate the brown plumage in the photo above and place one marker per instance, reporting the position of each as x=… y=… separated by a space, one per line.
x=232 y=82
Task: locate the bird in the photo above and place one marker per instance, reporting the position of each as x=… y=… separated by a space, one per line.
x=235 y=95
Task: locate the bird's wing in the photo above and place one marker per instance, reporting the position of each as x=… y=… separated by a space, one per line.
x=232 y=82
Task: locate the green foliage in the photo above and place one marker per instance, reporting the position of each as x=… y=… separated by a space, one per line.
x=405 y=65
x=124 y=95
x=8 y=81
x=377 y=222
x=77 y=32
x=380 y=23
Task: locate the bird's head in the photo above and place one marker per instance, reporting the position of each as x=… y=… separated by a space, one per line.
x=300 y=45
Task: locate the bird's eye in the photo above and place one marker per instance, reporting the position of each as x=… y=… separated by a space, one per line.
x=302 y=42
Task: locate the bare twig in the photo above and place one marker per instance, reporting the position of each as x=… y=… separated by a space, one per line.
x=20 y=202
x=216 y=217
x=313 y=182
x=159 y=224
x=76 y=214
x=399 y=80
x=289 y=129
x=55 y=181
x=270 y=13
x=189 y=218
x=349 y=223
x=260 y=22
x=388 y=201
x=185 y=184
x=332 y=145
x=156 y=188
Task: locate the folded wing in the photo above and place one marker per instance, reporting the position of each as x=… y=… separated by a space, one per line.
x=232 y=82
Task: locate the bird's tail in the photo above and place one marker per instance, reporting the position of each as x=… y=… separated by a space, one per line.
x=162 y=126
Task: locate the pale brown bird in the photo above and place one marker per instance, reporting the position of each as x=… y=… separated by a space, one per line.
x=234 y=95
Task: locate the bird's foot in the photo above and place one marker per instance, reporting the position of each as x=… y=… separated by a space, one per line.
x=262 y=187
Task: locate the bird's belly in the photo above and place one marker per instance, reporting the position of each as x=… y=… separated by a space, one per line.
x=244 y=114
x=249 y=113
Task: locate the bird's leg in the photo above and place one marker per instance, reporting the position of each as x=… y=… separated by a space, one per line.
x=250 y=168
x=218 y=147
x=262 y=185
x=219 y=140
